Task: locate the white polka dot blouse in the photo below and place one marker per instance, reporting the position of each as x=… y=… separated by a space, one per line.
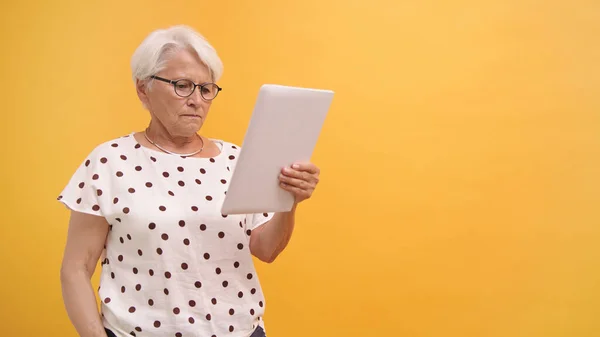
x=173 y=266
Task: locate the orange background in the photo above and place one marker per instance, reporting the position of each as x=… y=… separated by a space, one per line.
x=460 y=158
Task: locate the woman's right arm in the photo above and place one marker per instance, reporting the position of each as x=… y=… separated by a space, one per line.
x=85 y=242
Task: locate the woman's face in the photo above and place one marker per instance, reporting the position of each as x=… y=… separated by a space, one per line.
x=180 y=116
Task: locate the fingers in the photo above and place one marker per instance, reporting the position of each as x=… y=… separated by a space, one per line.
x=306 y=167
x=300 y=183
x=299 y=194
x=301 y=175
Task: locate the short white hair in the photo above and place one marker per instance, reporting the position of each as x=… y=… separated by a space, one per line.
x=151 y=55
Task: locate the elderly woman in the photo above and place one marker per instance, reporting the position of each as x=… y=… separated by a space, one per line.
x=149 y=202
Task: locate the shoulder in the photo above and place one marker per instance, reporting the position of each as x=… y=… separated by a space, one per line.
x=114 y=146
x=226 y=146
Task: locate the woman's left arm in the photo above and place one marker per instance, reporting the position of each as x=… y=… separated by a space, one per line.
x=270 y=239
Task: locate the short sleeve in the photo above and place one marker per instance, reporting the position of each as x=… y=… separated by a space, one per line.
x=83 y=191
x=259 y=219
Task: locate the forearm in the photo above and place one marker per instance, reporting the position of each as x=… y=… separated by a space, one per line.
x=270 y=239
x=80 y=303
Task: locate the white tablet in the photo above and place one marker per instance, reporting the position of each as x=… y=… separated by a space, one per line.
x=283 y=129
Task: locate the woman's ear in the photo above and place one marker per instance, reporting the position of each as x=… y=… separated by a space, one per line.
x=141 y=87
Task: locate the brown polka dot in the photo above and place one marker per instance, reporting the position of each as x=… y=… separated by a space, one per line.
x=225 y=284
x=221 y=235
x=96 y=208
x=236 y=264
x=87 y=163
x=223 y=181
x=138 y=168
x=121 y=239
x=252 y=312
x=151 y=272
x=214 y=301
x=194 y=208
x=123 y=157
x=231 y=311
x=233 y=147
x=181 y=183
x=186 y=242
x=167 y=274
x=208 y=317
x=137 y=146
x=114 y=145
x=79 y=201
x=138 y=329
x=140 y=253
x=198 y=284
x=212 y=160
x=107 y=300
x=171 y=193
x=178 y=334
x=118 y=219
x=180 y=169
x=209 y=198
x=181 y=223
x=112 y=275
x=248 y=232
x=218 y=271
x=253 y=291
x=164 y=236
x=249 y=276
x=152 y=225
x=206 y=256
x=126 y=210
x=192 y=303
x=184 y=266
x=148 y=184
x=153 y=159
x=166 y=174
x=123 y=289
x=138 y=287
x=156 y=324
x=103 y=160
x=115 y=200
x=128 y=237
x=265 y=215
x=159 y=251
x=240 y=294
x=95 y=177
x=166 y=291
x=202 y=227
x=203 y=171
x=198 y=182
x=135 y=270
x=131 y=190
x=119 y=174
x=231 y=328
x=191 y=320
x=240 y=246
x=176 y=311
x=120 y=258
x=150 y=302
x=99 y=192
x=81 y=184
x=132 y=309
x=162 y=208
x=232 y=157
x=224 y=215
x=260 y=304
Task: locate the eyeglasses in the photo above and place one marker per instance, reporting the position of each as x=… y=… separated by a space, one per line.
x=185 y=88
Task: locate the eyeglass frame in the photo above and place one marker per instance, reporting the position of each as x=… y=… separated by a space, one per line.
x=174 y=83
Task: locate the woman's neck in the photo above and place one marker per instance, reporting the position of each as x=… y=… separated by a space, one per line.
x=160 y=136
